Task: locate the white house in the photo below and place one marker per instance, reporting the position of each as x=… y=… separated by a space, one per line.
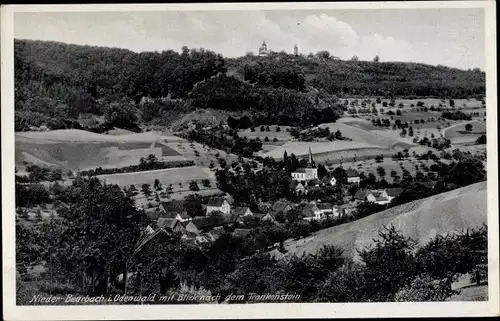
x=311 y=212
x=375 y=196
x=218 y=204
x=352 y=176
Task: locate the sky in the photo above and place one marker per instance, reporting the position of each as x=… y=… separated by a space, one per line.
x=450 y=37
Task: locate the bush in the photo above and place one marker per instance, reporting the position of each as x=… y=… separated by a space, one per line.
x=424 y=289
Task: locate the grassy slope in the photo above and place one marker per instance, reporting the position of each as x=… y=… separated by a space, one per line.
x=421 y=220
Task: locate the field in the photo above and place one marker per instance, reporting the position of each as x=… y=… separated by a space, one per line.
x=421 y=220
x=302 y=148
x=81 y=150
x=458 y=130
x=202 y=155
x=370 y=166
x=174 y=176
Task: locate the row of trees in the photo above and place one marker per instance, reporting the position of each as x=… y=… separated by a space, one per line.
x=225 y=139
x=145 y=164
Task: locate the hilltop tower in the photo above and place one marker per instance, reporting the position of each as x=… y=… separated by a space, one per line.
x=263 y=51
x=295 y=50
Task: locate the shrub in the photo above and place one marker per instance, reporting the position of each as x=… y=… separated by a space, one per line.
x=424 y=289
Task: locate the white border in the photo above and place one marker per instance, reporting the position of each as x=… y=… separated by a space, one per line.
x=298 y=310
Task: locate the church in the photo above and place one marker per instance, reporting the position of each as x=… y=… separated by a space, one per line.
x=307 y=173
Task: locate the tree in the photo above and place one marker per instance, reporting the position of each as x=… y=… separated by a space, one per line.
x=390 y=264
x=206 y=183
x=146 y=190
x=481 y=139
x=324 y=54
x=157 y=184
x=381 y=171
x=322 y=171
x=376 y=59
x=193 y=186
x=468 y=127
x=193 y=205
x=122 y=114
x=340 y=175
x=354 y=58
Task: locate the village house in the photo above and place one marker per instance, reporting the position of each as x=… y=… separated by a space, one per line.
x=314 y=188
x=346 y=210
x=306 y=173
x=270 y=217
x=218 y=204
x=379 y=197
x=327 y=210
x=297 y=187
x=329 y=180
x=281 y=206
x=250 y=221
x=235 y=220
x=174 y=206
x=393 y=192
x=174 y=210
x=154 y=213
x=311 y=212
x=241 y=211
x=203 y=224
x=375 y=196
x=171 y=224
x=353 y=176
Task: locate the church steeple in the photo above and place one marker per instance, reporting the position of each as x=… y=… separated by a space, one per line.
x=310 y=161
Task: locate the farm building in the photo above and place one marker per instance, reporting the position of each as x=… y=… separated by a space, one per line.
x=201 y=224
x=281 y=206
x=218 y=204
x=306 y=173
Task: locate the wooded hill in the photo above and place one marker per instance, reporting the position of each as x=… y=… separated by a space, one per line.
x=56 y=83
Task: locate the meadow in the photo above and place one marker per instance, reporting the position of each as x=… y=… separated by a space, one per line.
x=176 y=176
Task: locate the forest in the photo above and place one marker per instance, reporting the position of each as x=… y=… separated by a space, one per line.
x=58 y=85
